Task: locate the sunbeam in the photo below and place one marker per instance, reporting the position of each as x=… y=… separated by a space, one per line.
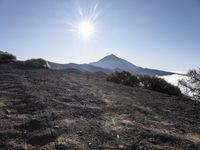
x=85 y=23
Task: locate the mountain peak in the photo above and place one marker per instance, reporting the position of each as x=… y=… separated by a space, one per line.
x=113 y=62
x=110 y=57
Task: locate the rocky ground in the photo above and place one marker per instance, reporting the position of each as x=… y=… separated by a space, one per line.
x=47 y=109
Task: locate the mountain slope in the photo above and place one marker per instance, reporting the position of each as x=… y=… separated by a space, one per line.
x=55 y=109
x=115 y=63
x=80 y=67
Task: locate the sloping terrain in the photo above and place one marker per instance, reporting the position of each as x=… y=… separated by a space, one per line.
x=49 y=109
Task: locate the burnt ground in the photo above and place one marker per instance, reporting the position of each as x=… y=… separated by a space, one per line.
x=47 y=109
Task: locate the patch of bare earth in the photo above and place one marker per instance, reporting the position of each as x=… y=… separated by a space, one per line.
x=47 y=109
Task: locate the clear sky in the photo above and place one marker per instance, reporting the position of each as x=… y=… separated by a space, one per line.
x=161 y=34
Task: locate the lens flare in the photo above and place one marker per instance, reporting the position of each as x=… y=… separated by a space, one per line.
x=85 y=21
x=86 y=28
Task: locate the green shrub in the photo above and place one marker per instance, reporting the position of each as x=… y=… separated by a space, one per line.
x=145 y=80
x=124 y=78
x=37 y=63
x=148 y=82
x=6 y=57
x=114 y=78
x=160 y=85
x=133 y=80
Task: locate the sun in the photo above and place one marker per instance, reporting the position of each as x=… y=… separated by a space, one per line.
x=86 y=28
x=85 y=22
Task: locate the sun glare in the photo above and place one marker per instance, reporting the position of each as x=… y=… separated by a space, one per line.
x=86 y=28
x=85 y=22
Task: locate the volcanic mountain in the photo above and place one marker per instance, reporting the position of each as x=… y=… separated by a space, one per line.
x=115 y=63
x=109 y=64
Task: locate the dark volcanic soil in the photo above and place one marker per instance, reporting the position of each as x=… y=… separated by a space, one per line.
x=46 y=109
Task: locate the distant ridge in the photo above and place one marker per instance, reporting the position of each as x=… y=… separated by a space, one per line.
x=79 y=67
x=109 y=64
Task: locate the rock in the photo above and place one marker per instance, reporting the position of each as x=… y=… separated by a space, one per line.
x=121 y=146
x=56 y=127
x=99 y=146
x=37 y=63
x=6 y=111
x=80 y=133
x=43 y=139
x=6 y=57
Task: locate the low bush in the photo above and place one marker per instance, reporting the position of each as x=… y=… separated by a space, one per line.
x=37 y=63
x=148 y=82
x=6 y=57
x=160 y=85
x=124 y=78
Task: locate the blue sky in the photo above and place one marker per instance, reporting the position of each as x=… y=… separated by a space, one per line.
x=161 y=34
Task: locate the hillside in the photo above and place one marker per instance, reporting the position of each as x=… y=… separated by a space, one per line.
x=54 y=109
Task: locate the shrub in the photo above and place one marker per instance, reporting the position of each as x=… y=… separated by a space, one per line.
x=114 y=78
x=160 y=85
x=148 y=82
x=133 y=80
x=124 y=78
x=191 y=84
x=37 y=63
x=6 y=57
x=145 y=80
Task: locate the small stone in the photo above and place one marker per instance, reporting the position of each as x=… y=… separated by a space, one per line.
x=6 y=111
x=56 y=127
x=121 y=146
x=89 y=143
x=117 y=136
